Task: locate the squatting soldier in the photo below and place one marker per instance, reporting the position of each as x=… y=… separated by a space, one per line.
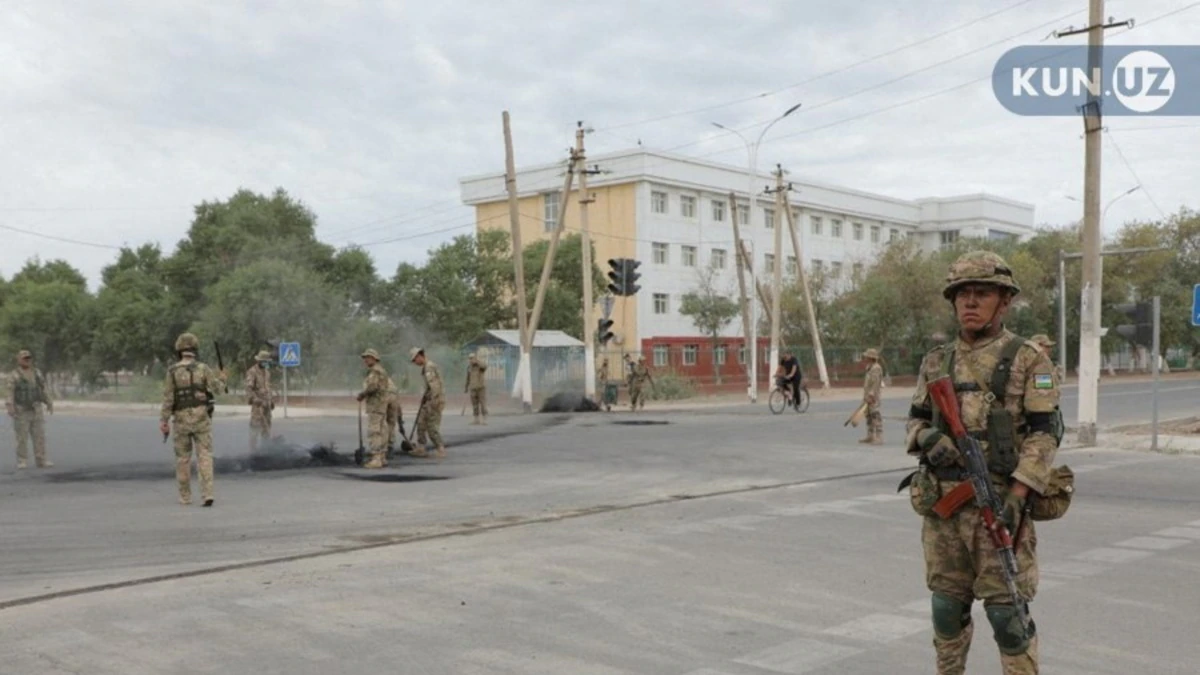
x=639 y=375
x=27 y=392
x=1008 y=399
x=375 y=395
x=1045 y=343
x=260 y=397
x=429 y=417
x=872 y=387
x=395 y=415
x=477 y=387
x=189 y=392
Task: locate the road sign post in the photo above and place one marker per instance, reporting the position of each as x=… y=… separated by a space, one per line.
x=1154 y=360
x=289 y=357
x=1196 y=305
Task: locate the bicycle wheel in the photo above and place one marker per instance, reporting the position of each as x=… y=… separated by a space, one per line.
x=804 y=399
x=776 y=401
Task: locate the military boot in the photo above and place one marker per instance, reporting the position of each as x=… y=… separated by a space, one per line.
x=869 y=439
x=419 y=451
x=21 y=464
x=476 y=422
x=376 y=462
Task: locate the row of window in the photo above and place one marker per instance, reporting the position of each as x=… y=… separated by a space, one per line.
x=689 y=257
x=691 y=355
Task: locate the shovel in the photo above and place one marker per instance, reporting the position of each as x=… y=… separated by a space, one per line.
x=405 y=444
x=361 y=453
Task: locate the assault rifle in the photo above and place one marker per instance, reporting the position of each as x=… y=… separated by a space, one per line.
x=984 y=493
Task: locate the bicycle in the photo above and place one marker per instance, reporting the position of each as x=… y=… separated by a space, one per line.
x=781 y=397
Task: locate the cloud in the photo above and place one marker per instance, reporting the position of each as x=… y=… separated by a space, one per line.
x=121 y=116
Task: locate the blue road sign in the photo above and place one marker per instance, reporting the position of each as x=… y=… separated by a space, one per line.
x=1196 y=305
x=289 y=354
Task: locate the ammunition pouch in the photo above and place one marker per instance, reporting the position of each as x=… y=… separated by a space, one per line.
x=190 y=395
x=1053 y=504
x=26 y=394
x=1002 y=441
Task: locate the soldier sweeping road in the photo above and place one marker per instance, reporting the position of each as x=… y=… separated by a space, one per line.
x=429 y=417
x=872 y=389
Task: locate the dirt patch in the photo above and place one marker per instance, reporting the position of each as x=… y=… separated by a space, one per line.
x=1186 y=426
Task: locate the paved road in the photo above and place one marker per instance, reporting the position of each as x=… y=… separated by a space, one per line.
x=705 y=543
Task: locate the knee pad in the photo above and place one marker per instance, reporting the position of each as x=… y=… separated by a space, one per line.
x=1010 y=636
x=950 y=615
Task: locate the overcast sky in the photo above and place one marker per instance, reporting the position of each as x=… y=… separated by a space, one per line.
x=119 y=116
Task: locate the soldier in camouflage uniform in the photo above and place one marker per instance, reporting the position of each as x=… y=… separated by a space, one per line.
x=375 y=395
x=1042 y=340
x=477 y=387
x=429 y=417
x=260 y=397
x=189 y=392
x=395 y=415
x=639 y=375
x=27 y=392
x=872 y=388
x=1018 y=433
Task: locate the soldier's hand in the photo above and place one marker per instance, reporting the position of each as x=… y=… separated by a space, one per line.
x=164 y=428
x=1013 y=505
x=939 y=448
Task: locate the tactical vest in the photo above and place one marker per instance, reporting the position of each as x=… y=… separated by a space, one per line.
x=190 y=395
x=1002 y=436
x=27 y=394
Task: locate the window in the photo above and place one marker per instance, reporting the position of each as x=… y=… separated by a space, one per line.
x=835 y=228
x=795 y=216
x=874 y=234
x=743 y=214
x=770 y=263
x=818 y=265
x=550 y=212
x=791 y=265
x=689 y=256
x=662 y=303
x=997 y=235
x=769 y=215
x=817 y=225
x=858 y=231
x=660 y=356
x=948 y=237
x=894 y=234
x=836 y=271
x=690 y=352
x=718 y=210
x=719 y=355
x=742 y=353
x=687 y=206
x=718 y=258
x=660 y=253
x=658 y=201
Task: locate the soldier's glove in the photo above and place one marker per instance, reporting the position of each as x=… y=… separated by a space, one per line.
x=939 y=448
x=1013 y=505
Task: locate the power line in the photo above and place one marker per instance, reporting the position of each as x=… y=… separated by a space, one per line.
x=65 y=240
x=1125 y=161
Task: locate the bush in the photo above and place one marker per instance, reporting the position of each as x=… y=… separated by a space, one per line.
x=671 y=387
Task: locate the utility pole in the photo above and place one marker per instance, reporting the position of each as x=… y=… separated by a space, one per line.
x=812 y=316
x=741 y=274
x=522 y=386
x=585 y=198
x=777 y=272
x=1089 y=314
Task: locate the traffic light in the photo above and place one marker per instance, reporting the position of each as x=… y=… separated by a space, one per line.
x=631 y=277
x=1141 y=331
x=617 y=276
x=605 y=331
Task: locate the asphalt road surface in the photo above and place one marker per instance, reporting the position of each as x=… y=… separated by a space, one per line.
x=712 y=542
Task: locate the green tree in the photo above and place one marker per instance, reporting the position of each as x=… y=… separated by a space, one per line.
x=39 y=272
x=51 y=315
x=562 y=308
x=133 y=312
x=710 y=308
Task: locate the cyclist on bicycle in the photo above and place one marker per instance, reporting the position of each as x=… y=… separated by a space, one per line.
x=788 y=376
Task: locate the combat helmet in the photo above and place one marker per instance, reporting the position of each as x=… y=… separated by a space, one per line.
x=871 y=353
x=1043 y=340
x=979 y=267
x=187 y=343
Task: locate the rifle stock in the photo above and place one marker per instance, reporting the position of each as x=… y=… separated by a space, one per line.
x=987 y=500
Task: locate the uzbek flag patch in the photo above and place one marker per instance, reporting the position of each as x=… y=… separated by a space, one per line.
x=1043 y=381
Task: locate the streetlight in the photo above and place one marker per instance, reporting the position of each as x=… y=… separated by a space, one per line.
x=751 y=171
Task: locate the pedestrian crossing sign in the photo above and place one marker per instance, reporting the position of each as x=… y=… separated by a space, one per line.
x=289 y=354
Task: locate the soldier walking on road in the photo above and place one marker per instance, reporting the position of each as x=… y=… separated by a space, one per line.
x=375 y=395
x=261 y=399
x=189 y=392
x=1008 y=397
x=477 y=387
x=639 y=375
x=395 y=415
x=872 y=388
x=27 y=392
x=429 y=417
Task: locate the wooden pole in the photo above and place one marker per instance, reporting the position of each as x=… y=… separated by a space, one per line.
x=812 y=316
x=521 y=387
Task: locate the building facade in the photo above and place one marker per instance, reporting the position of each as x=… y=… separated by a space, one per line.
x=674 y=213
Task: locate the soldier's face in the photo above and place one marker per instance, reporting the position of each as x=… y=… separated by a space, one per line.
x=25 y=361
x=977 y=305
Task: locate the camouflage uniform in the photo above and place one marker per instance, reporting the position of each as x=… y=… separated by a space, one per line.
x=27 y=393
x=639 y=374
x=375 y=395
x=429 y=418
x=477 y=387
x=872 y=388
x=189 y=390
x=395 y=415
x=260 y=398
x=961 y=563
x=1044 y=341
